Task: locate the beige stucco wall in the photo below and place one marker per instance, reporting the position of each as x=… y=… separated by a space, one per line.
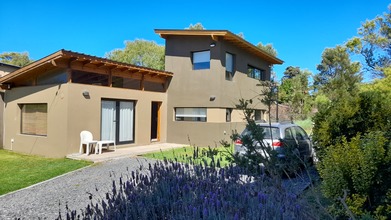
x=1 y=118
x=216 y=115
x=69 y=112
x=193 y=88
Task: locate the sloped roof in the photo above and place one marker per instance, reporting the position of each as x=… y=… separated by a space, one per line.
x=65 y=58
x=224 y=35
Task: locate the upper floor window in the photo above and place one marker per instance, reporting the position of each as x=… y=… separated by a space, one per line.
x=34 y=119
x=256 y=73
x=229 y=66
x=201 y=60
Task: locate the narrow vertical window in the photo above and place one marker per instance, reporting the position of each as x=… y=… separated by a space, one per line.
x=34 y=119
x=228 y=113
x=258 y=115
x=201 y=60
x=229 y=66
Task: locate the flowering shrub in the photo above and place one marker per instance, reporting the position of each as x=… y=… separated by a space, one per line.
x=172 y=190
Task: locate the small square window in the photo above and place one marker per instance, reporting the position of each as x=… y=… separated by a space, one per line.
x=34 y=119
x=201 y=60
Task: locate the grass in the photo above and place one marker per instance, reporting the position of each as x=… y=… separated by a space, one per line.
x=19 y=171
x=196 y=155
x=307 y=125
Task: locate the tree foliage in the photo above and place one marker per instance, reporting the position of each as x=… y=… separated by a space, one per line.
x=268 y=48
x=141 y=53
x=15 y=58
x=197 y=26
x=291 y=72
x=374 y=43
x=294 y=92
x=338 y=76
x=356 y=173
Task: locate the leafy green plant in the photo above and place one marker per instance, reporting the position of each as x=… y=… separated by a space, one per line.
x=356 y=174
x=368 y=111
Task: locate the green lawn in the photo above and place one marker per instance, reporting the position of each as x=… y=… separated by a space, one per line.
x=307 y=125
x=19 y=171
x=195 y=155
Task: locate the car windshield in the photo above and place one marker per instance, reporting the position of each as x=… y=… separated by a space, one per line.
x=266 y=130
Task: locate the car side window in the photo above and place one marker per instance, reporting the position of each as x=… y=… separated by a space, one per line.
x=300 y=134
x=288 y=134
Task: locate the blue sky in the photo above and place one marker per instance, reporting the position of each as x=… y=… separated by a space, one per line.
x=299 y=30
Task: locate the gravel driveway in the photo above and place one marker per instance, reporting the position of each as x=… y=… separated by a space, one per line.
x=42 y=201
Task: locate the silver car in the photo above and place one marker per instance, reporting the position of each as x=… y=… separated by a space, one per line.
x=280 y=134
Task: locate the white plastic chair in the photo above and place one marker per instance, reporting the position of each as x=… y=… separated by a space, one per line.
x=87 y=139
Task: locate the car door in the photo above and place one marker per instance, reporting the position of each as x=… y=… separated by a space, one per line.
x=303 y=141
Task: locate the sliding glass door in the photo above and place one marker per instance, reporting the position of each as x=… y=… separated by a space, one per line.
x=117 y=121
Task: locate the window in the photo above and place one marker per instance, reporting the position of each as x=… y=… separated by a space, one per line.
x=34 y=119
x=256 y=73
x=201 y=60
x=258 y=115
x=300 y=134
x=229 y=66
x=90 y=78
x=190 y=114
x=117 y=121
x=228 y=113
x=289 y=134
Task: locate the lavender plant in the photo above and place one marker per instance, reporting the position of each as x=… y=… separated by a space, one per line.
x=172 y=190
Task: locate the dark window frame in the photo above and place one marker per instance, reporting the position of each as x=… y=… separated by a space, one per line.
x=117 y=126
x=200 y=65
x=229 y=74
x=252 y=73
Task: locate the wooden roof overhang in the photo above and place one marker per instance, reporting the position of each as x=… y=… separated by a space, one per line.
x=225 y=35
x=81 y=62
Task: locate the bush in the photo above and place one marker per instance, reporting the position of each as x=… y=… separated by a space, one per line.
x=356 y=173
x=171 y=190
x=368 y=111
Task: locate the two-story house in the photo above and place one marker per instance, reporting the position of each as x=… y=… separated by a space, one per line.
x=50 y=101
x=212 y=69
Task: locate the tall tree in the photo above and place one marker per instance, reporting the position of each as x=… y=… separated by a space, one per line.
x=374 y=43
x=291 y=72
x=197 y=26
x=141 y=53
x=337 y=74
x=268 y=48
x=294 y=92
x=15 y=58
